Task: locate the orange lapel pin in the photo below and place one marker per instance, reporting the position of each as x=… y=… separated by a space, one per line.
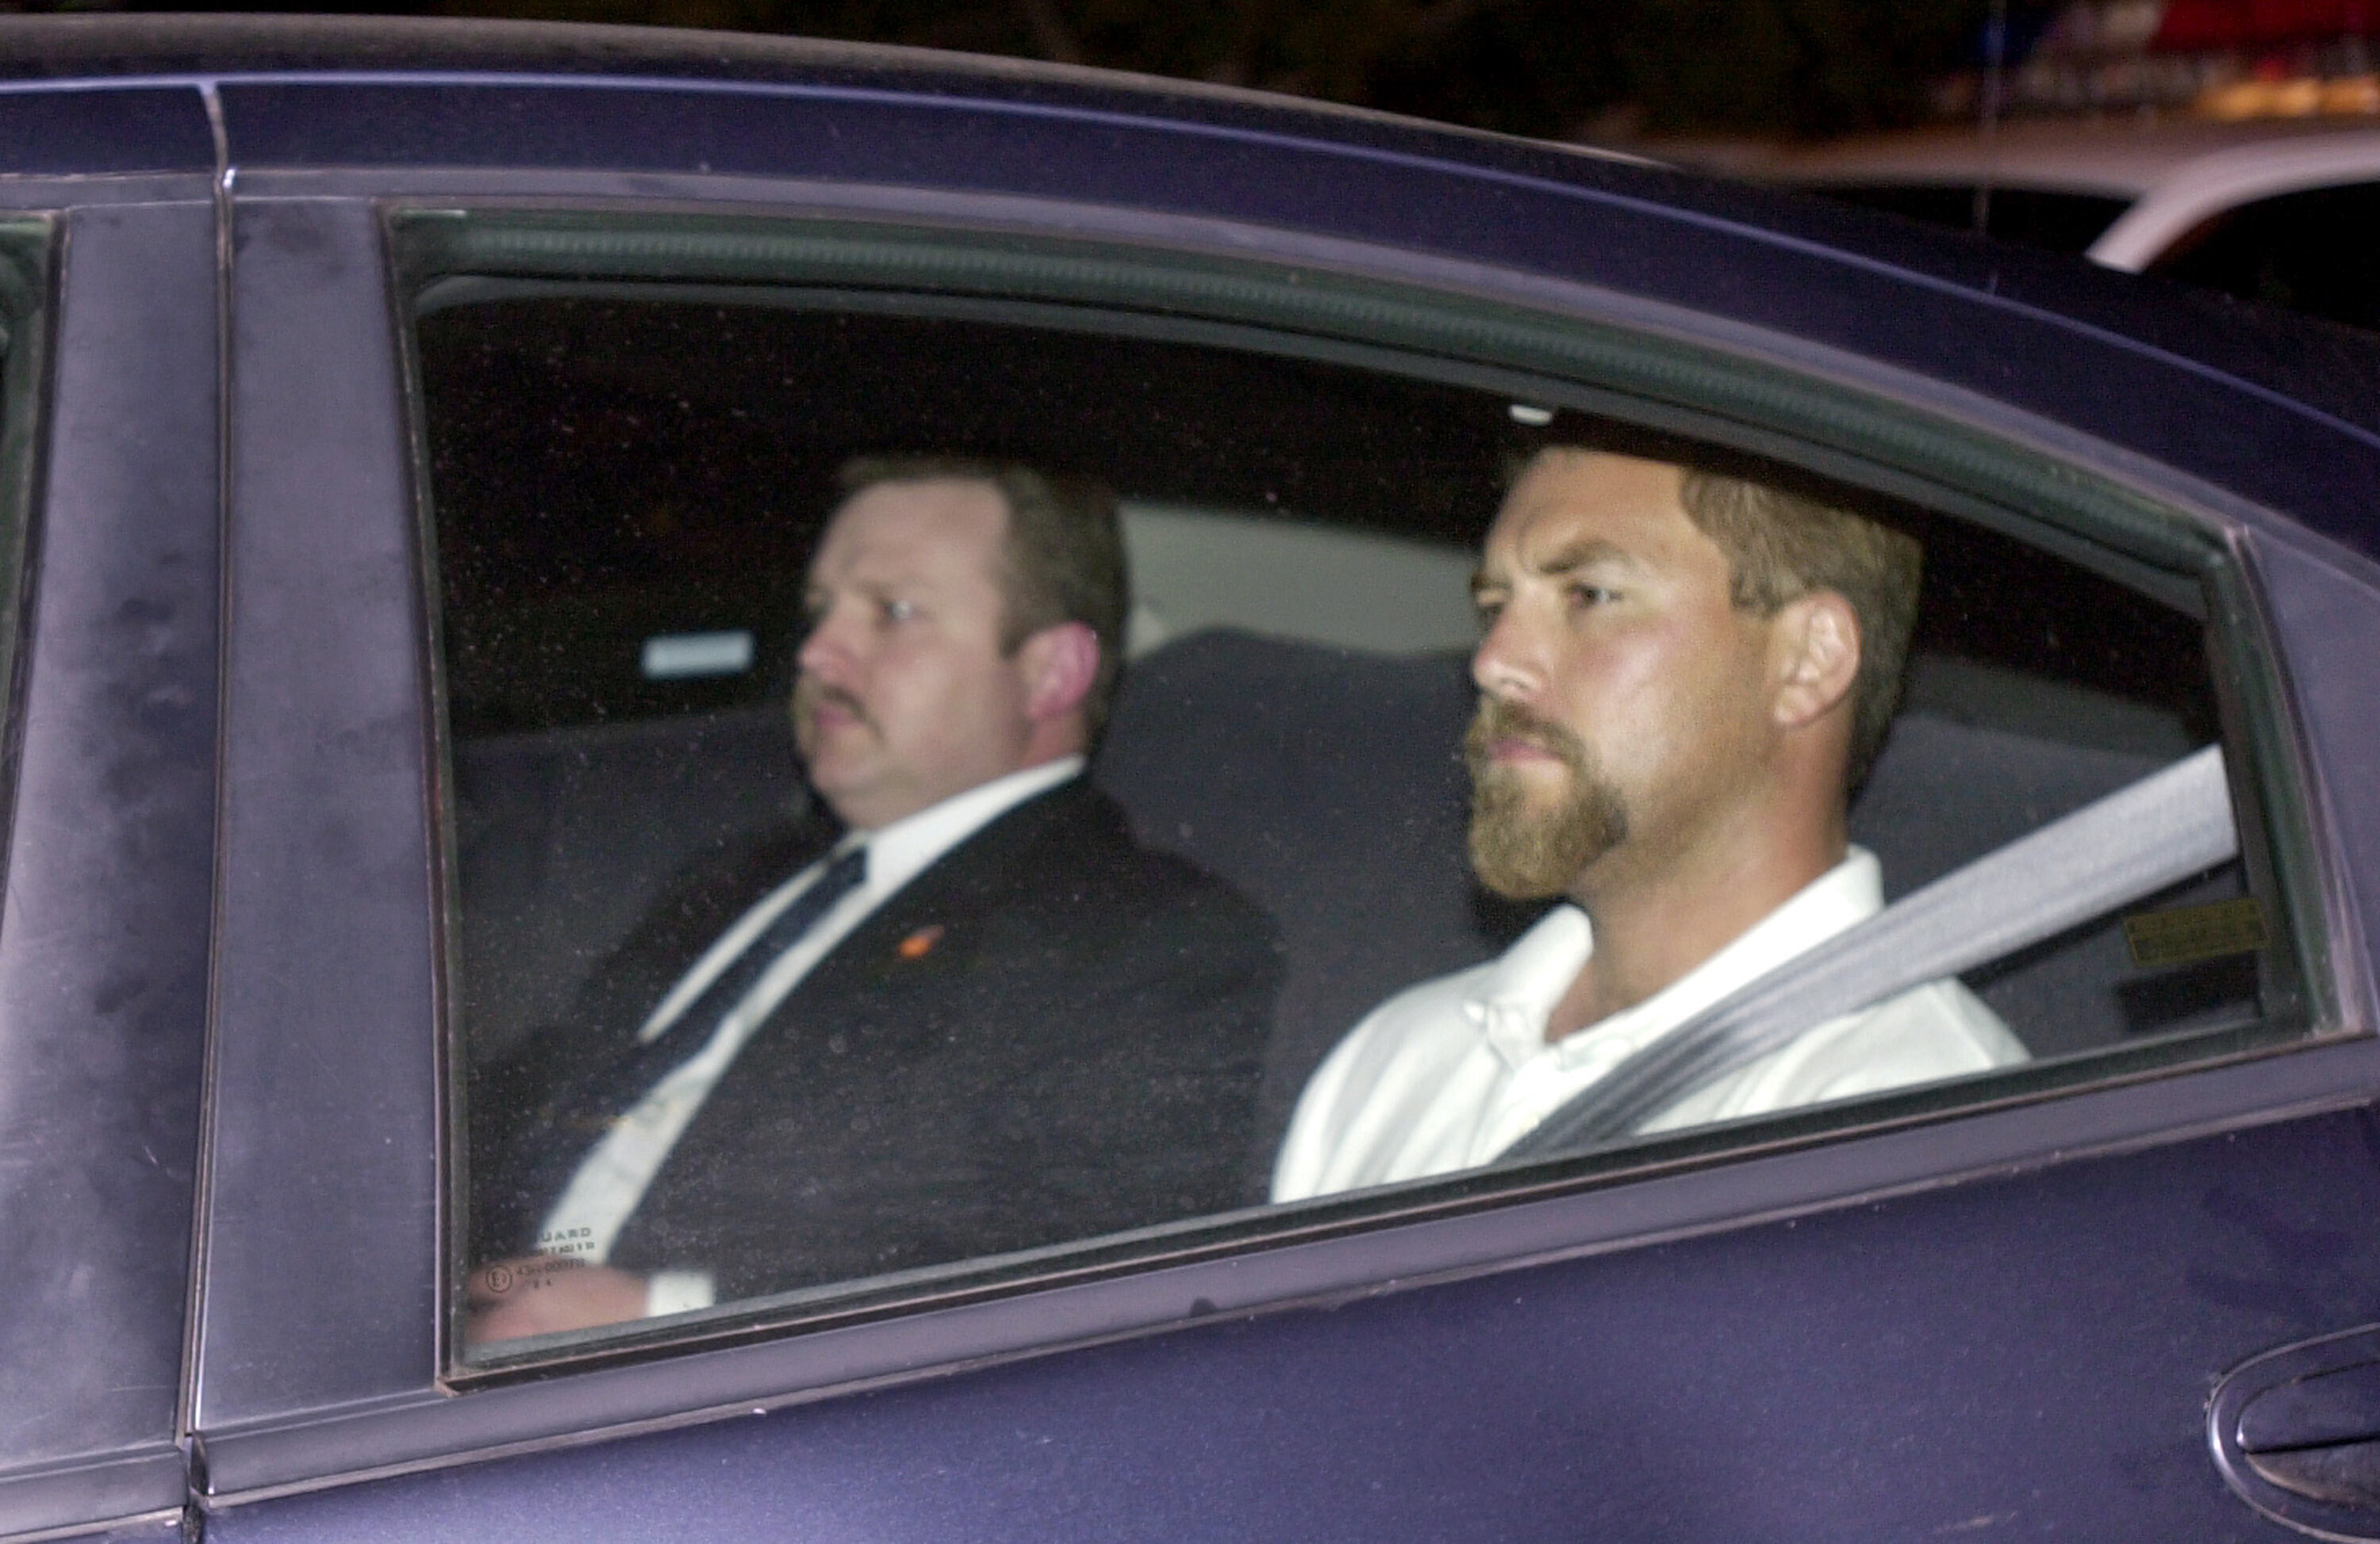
x=915 y=946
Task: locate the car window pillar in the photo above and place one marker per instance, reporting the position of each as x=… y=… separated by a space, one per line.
x=110 y=852
x=322 y=1211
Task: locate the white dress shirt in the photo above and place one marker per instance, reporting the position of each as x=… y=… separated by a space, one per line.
x=1448 y=1074
x=613 y=1178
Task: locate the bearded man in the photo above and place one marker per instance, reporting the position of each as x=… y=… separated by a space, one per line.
x=1683 y=676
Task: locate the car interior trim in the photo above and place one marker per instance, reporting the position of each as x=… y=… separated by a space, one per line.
x=1632 y=367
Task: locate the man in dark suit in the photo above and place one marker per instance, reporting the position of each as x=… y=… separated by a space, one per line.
x=969 y=1017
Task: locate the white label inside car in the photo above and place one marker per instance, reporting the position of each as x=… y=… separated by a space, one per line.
x=675 y=656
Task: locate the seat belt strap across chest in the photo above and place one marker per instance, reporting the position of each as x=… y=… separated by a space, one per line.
x=2137 y=841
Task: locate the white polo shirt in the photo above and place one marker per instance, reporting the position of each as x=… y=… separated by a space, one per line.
x=1451 y=1072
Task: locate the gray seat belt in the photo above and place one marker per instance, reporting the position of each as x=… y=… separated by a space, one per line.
x=2133 y=843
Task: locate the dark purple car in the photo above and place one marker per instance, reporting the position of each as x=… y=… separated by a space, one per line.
x=414 y=439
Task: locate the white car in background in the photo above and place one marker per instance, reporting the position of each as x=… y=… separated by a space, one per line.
x=2284 y=214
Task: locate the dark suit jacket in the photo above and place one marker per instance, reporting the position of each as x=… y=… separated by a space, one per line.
x=1049 y=1034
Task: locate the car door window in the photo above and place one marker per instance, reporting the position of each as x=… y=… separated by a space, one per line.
x=663 y=737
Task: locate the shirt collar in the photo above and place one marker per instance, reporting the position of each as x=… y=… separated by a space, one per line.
x=899 y=852
x=1515 y=995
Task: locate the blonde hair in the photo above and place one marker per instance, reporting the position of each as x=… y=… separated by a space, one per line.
x=1782 y=546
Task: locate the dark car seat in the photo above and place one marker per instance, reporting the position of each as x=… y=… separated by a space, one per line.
x=564 y=839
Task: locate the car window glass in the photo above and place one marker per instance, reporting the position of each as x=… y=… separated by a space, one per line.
x=53 y=1128
x=660 y=515
x=2317 y=251
x=23 y=322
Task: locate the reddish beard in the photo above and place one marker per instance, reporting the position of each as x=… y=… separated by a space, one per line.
x=1519 y=847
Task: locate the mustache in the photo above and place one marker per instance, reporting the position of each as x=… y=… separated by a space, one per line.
x=1499 y=720
x=811 y=694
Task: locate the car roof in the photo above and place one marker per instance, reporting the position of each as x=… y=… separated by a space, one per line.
x=57 y=48
x=359 y=92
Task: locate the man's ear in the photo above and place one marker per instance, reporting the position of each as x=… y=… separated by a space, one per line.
x=1060 y=663
x=1816 y=646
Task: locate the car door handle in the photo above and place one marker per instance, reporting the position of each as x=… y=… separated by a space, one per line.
x=2319 y=1435
x=2297 y=1433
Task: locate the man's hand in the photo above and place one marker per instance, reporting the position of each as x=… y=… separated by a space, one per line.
x=541 y=1295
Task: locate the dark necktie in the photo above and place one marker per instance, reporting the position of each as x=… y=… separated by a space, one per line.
x=638 y=1069
x=691 y=1031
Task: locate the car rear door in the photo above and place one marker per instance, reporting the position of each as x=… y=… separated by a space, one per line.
x=1998 y=1316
